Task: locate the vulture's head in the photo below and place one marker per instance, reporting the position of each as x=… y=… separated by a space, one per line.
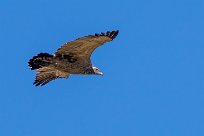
x=97 y=71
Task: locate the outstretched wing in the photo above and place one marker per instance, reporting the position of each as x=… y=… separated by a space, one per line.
x=47 y=74
x=84 y=46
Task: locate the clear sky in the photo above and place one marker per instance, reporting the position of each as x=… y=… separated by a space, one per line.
x=153 y=83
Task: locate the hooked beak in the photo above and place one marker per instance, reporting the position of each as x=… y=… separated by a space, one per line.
x=97 y=71
x=100 y=73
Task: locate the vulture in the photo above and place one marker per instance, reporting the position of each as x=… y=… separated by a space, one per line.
x=71 y=58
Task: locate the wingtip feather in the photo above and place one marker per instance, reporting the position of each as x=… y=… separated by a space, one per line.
x=110 y=34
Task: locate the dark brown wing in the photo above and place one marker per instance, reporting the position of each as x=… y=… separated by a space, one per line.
x=47 y=74
x=84 y=46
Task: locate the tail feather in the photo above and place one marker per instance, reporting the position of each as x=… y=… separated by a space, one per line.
x=42 y=59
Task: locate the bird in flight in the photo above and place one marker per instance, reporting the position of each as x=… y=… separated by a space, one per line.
x=71 y=58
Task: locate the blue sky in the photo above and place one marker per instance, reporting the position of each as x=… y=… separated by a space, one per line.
x=153 y=81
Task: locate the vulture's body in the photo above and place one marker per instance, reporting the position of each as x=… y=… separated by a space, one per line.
x=71 y=58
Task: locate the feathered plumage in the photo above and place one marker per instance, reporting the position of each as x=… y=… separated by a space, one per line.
x=71 y=58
